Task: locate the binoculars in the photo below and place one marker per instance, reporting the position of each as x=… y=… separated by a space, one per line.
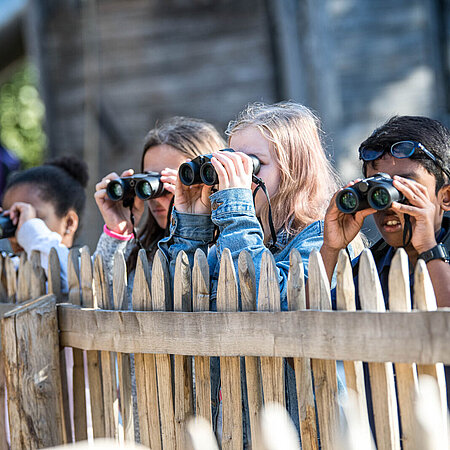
x=7 y=228
x=376 y=192
x=145 y=185
x=200 y=170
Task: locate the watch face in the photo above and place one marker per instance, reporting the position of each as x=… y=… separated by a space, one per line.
x=438 y=252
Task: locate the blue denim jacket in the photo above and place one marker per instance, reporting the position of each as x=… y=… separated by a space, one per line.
x=234 y=214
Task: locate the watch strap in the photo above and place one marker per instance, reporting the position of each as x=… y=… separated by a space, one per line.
x=437 y=252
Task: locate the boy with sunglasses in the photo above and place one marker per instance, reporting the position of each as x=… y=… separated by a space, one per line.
x=415 y=152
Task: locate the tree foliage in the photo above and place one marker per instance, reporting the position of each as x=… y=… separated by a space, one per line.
x=21 y=117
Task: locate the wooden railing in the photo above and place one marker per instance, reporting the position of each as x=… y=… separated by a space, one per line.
x=170 y=332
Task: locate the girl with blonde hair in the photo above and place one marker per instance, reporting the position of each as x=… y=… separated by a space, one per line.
x=299 y=179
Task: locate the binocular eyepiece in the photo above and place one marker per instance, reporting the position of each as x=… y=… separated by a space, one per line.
x=145 y=185
x=7 y=228
x=201 y=171
x=376 y=192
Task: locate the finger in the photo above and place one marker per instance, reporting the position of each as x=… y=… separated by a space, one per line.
x=169 y=172
x=127 y=173
x=407 y=209
x=222 y=174
x=413 y=195
x=238 y=162
x=170 y=187
x=226 y=160
x=247 y=163
x=417 y=188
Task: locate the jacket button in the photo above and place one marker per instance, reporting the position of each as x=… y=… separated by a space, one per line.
x=214 y=206
x=173 y=221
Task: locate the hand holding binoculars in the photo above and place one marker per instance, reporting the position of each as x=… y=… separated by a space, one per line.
x=201 y=171
x=7 y=228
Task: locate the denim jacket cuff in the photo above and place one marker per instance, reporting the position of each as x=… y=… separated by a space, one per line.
x=228 y=202
x=197 y=227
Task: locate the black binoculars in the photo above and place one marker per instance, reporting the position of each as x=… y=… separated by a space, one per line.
x=7 y=228
x=200 y=170
x=145 y=185
x=376 y=192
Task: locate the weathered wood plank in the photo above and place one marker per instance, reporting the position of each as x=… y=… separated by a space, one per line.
x=425 y=300
x=145 y=365
x=34 y=387
x=110 y=399
x=184 y=407
x=161 y=302
x=54 y=277
x=325 y=380
x=272 y=369
x=79 y=387
x=344 y=335
x=120 y=301
x=405 y=374
x=230 y=371
x=354 y=373
x=247 y=282
x=200 y=302
x=11 y=280
x=381 y=374
x=37 y=278
x=23 y=279
x=296 y=297
x=92 y=357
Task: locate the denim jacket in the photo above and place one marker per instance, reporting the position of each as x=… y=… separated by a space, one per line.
x=233 y=213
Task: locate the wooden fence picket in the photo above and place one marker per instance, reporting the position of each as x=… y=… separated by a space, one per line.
x=92 y=356
x=272 y=368
x=54 y=287
x=110 y=399
x=120 y=302
x=182 y=301
x=161 y=301
x=324 y=371
x=145 y=364
x=200 y=302
x=405 y=374
x=11 y=280
x=381 y=374
x=23 y=279
x=247 y=282
x=79 y=387
x=37 y=275
x=230 y=371
x=425 y=300
x=354 y=372
x=296 y=296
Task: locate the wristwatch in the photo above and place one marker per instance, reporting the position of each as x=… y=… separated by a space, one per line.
x=437 y=252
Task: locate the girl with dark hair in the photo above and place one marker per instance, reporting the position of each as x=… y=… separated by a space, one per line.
x=46 y=203
x=166 y=147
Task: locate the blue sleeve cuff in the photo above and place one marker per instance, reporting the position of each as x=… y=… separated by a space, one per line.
x=197 y=227
x=231 y=201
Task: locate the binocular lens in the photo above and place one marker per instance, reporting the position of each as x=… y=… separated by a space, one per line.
x=187 y=174
x=116 y=190
x=144 y=190
x=380 y=198
x=348 y=201
x=208 y=173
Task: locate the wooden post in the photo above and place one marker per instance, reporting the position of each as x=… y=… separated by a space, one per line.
x=230 y=372
x=37 y=275
x=34 y=386
x=200 y=302
x=11 y=280
x=182 y=301
x=324 y=371
x=161 y=300
x=354 y=373
x=247 y=281
x=110 y=399
x=23 y=279
x=92 y=357
x=79 y=388
x=120 y=296
x=406 y=376
x=296 y=297
x=54 y=287
x=272 y=370
x=145 y=365
x=381 y=374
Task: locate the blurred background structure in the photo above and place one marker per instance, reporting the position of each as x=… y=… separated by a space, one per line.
x=107 y=70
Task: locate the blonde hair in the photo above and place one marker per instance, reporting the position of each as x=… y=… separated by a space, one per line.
x=307 y=179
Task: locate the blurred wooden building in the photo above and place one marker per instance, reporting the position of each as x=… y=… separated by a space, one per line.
x=109 y=69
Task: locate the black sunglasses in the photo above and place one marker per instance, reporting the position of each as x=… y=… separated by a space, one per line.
x=400 y=150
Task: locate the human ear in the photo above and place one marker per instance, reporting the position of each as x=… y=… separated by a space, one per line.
x=71 y=221
x=444 y=197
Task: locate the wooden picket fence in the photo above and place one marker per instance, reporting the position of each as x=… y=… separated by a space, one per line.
x=172 y=335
